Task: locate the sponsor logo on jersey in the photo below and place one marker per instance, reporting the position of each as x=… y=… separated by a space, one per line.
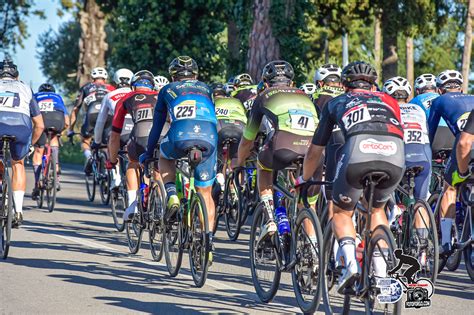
x=372 y=146
x=140 y=97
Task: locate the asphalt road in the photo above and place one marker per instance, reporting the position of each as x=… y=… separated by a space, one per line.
x=73 y=261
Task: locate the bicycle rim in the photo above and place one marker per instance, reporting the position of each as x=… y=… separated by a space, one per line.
x=468 y=251
x=155 y=228
x=90 y=186
x=263 y=259
x=118 y=206
x=104 y=183
x=432 y=201
x=172 y=243
x=134 y=230
x=7 y=216
x=199 y=240
x=232 y=209
x=51 y=184
x=308 y=272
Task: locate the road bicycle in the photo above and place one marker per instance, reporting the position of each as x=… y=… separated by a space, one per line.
x=99 y=176
x=119 y=195
x=7 y=207
x=292 y=251
x=188 y=227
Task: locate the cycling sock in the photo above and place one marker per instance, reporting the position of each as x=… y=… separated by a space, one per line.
x=268 y=204
x=55 y=152
x=422 y=233
x=171 y=189
x=379 y=264
x=37 y=171
x=312 y=200
x=87 y=154
x=337 y=252
x=18 y=200
x=446 y=225
x=132 y=196
x=348 y=249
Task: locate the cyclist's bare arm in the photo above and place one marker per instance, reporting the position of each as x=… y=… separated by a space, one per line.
x=463 y=151
x=66 y=122
x=75 y=110
x=311 y=160
x=38 y=127
x=245 y=147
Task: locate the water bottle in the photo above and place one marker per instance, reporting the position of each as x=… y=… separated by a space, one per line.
x=44 y=161
x=250 y=177
x=278 y=197
x=282 y=219
x=179 y=187
x=144 y=189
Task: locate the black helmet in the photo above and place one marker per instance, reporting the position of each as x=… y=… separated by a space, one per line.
x=46 y=87
x=358 y=74
x=8 y=69
x=243 y=79
x=278 y=71
x=218 y=89
x=143 y=77
x=182 y=67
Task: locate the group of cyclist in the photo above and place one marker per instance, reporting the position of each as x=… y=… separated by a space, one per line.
x=342 y=124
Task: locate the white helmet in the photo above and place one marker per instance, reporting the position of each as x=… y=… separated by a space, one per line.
x=308 y=88
x=99 y=72
x=160 y=82
x=397 y=84
x=327 y=70
x=426 y=80
x=449 y=76
x=123 y=76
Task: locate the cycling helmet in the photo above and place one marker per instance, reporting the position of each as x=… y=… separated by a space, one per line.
x=260 y=87
x=46 y=87
x=99 y=73
x=218 y=89
x=308 y=88
x=229 y=86
x=424 y=81
x=183 y=66
x=243 y=79
x=160 y=82
x=278 y=71
x=449 y=78
x=143 y=78
x=8 y=69
x=328 y=72
x=359 y=74
x=397 y=87
x=123 y=76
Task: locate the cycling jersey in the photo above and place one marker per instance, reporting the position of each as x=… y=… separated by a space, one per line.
x=230 y=109
x=360 y=112
x=286 y=108
x=469 y=128
x=246 y=94
x=324 y=95
x=17 y=107
x=454 y=107
x=53 y=110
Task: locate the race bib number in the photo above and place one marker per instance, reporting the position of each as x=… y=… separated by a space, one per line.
x=222 y=112
x=249 y=104
x=413 y=136
x=302 y=120
x=89 y=99
x=144 y=114
x=355 y=116
x=46 y=106
x=461 y=122
x=9 y=99
x=185 y=110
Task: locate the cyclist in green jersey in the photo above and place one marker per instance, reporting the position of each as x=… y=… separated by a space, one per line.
x=244 y=90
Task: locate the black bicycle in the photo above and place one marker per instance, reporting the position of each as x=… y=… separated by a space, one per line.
x=99 y=176
x=119 y=195
x=48 y=181
x=7 y=207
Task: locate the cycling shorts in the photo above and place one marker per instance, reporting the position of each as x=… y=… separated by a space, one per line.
x=229 y=130
x=136 y=146
x=419 y=155
x=87 y=129
x=182 y=136
x=51 y=120
x=332 y=151
x=19 y=126
x=360 y=155
x=126 y=131
x=451 y=163
x=443 y=139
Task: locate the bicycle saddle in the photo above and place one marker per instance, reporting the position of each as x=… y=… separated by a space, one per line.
x=375 y=177
x=8 y=138
x=415 y=170
x=51 y=129
x=230 y=140
x=195 y=156
x=299 y=160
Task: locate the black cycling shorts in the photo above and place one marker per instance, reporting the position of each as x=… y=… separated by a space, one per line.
x=333 y=150
x=51 y=120
x=87 y=129
x=443 y=140
x=136 y=146
x=229 y=130
x=360 y=155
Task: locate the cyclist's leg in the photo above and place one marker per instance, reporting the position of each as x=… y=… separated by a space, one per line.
x=332 y=153
x=265 y=187
x=19 y=150
x=205 y=175
x=135 y=148
x=167 y=166
x=86 y=136
x=37 y=161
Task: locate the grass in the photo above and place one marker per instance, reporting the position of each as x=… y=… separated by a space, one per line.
x=70 y=153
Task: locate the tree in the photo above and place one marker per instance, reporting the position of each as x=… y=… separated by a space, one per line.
x=466 y=57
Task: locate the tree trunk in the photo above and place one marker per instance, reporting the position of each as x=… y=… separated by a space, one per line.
x=466 y=57
x=378 y=42
x=345 y=48
x=263 y=46
x=410 y=62
x=92 y=45
x=233 y=44
x=389 y=33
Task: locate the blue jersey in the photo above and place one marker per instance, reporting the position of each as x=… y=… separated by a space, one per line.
x=182 y=100
x=424 y=101
x=49 y=102
x=454 y=107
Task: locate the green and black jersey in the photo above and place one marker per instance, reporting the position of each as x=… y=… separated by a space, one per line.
x=286 y=108
x=324 y=95
x=230 y=109
x=246 y=94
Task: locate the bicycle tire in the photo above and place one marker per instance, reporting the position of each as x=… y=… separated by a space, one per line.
x=51 y=183
x=467 y=252
x=104 y=183
x=155 y=228
x=39 y=201
x=118 y=201
x=134 y=228
x=380 y=233
x=199 y=251
x=432 y=201
x=232 y=209
x=90 y=186
x=173 y=238
x=7 y=215
x=311 y=304
x=265 y=295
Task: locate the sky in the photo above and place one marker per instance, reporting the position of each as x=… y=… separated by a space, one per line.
x=25 y=58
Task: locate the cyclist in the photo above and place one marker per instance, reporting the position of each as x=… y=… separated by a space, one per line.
x=55 y=115
x=328 y=80
x=454 y=107
x=20 y=117
x=160 y=82
x=139 y=104
x=293 y=118
x=309 y=89
x=188 y=102
x=463 y=150
x=426 y=93
x=103 y=125
x=244 y=90
x=90 y=95
x=229 y=86
x=370 y=123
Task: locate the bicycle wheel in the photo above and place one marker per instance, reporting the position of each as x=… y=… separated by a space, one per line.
x=90 y=186
x=309 y=269
x=118 y=203
x=433 y=201
x=232 y=208
x=155 y=228
x=6 y=215
x=51 y=183
x=468 y=251
x=173 y=238
x=134 y=229
x=382 y=245
x=41 y=184
x=199 y=240
x=263 y=259
x=104 y=182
